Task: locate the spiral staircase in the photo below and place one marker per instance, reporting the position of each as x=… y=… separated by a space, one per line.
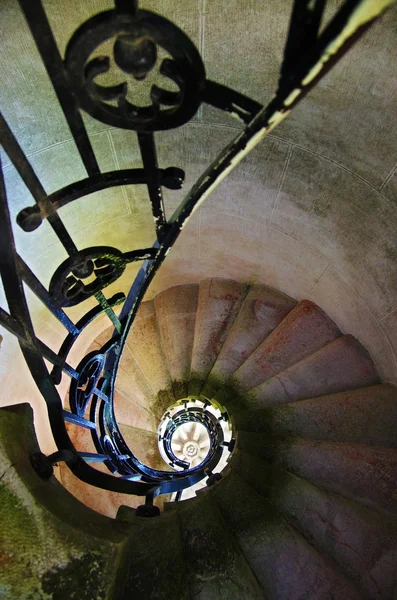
x=306 y=504
x=217 y=439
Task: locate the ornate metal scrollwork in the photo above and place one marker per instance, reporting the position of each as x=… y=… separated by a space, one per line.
x=81 y=389
x=104 y=263
x=137 y=37
x=116 y=460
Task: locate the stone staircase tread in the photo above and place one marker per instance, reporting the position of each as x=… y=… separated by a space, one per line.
x=261 y=312
x=366 y=474
x=264 y=536
x=362 y=542
x=343 y=364
x=216 y=568
x=219 y=302
x=313 y=478
x=302 y=332
x=343 y=417
x=145 y=345
x=176 y=310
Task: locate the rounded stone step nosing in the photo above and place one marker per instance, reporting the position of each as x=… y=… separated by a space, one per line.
x=264 y=535
x=261 y=312
x=219 y=302
x=365 y=415
x=176 y=310
x=343 y=364
x=304 y=330
x=366 y=474
x=362 y=542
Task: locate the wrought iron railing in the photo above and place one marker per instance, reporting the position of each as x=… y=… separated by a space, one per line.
x=137 y=34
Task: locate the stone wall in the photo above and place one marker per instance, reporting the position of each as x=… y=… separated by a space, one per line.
x=52 y=546
x=312 y=211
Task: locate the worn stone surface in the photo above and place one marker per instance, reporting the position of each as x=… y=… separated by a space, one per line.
x=341 y=301
x=144 y=343
x=259 y=253
x=389 y=326
x=360 y=95
x=216 y=567
x=367 y=416
x=52 y=546
x=310 y=212
x=366 y=474
x=219 y=302
x=265 y=536
x=353 y=106
x=304 y=330
x=362 y=542
x=176 y=316
x=134 y=394
x=390 y=187
x=131 y=413
x=155 y=568
x=262 y=310
x=313 y=205
x=338 y=537
x=258 y=55
x=341 y=365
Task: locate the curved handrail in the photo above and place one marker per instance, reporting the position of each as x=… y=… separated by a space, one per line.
x=308 y=56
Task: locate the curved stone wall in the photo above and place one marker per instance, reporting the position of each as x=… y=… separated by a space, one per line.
x=312 y=211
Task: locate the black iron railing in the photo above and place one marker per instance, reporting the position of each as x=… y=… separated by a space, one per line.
x=137 y=35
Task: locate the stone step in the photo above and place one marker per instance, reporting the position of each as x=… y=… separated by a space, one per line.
x=219 y=302
x=362 y=542
x=133 y=394
x=144 y=446
x=285 y=564
x=215 y=567
x=262 y=311
x=128 y=412
x=144 y=342
x=176 y=316
x=152 y=563
x=366 y=474
x=367 y=416
x=304 y=330
x=343 y=364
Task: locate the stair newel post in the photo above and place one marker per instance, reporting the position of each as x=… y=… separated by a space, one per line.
x=212 y=477
x=44 y=465
x=148 y=509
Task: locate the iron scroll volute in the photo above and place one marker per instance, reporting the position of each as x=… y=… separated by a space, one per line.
x=137 y=38
x=102 y=264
